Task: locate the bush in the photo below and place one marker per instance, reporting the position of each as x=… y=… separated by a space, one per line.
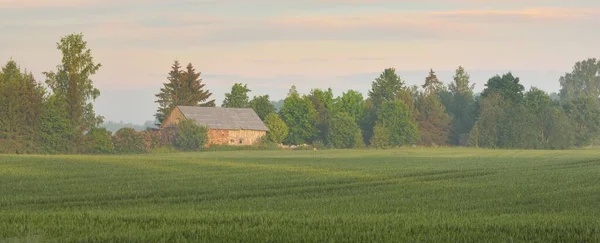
x=98 y=141
x=128 y=141
x=190 y=136
x=343 y=132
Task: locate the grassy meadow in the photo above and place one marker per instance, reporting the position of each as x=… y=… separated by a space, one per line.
x=404 y=195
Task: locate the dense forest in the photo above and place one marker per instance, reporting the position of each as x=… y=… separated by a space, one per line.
x=57 y=116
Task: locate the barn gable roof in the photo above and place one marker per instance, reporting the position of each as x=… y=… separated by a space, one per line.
x=224 y=118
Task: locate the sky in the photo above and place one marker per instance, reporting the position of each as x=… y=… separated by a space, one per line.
x=271 y=45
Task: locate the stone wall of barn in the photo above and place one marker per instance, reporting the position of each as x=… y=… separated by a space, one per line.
x=234 y=137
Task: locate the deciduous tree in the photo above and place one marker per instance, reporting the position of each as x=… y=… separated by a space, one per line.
x=238 y=97
x=72 y=83
x=262 y=106
x=300 y=116
x=396 y=118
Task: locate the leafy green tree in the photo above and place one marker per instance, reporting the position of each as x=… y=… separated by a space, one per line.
x=99 y=141
x=506 y=85
x=582 y=81
x=461 y=107
x=183 y=88
x=386 y=87
x=584 y=113
x=72 y=83
x=21 y=105
x=322 y=102
x=128 y=141
x=432 y=120
x=278 y=130
x=238 y=97
x=190 y=136
x=262 y=106
x=396 y=118
x=300 y=116
x=351 y=102
x=344 y=132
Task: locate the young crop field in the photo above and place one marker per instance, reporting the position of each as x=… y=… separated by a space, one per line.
x=404 y=195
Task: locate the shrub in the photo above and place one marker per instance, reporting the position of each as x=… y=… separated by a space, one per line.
x=190 y=136
x=98 y=141
x=343 y=132
x=128 y=141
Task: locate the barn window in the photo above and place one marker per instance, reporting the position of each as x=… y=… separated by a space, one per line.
x=232 y=141
x=241 y=140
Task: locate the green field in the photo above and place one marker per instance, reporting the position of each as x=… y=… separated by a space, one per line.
x=423 y=195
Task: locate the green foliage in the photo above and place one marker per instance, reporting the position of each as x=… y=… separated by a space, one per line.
x=351 y=103
x=72 y=84
x=98 y=141
x=322 y=102
x=461 y=107
x=432 y=120
x=262 y=106
x=238 y=98
x=128 y=141
x=486 y=130
x=507 y=86
x=278 y=130
x=300 y=117
x=396 y=119
x=183 y=88
x=582 y=81
x=21 y=106
x=190 y=136
x=386 y=87
x=584 y=113
x=56 y=130
x=367 y=120
x=344 y=132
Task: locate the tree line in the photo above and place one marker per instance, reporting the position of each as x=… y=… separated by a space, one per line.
x=57 y=116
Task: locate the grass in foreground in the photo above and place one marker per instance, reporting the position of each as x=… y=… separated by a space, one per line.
x=433 y=195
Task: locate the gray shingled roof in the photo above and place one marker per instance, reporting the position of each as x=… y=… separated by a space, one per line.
x=224 y=118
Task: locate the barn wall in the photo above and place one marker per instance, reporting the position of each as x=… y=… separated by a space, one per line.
x=173 y=118
x=234 y=137
x=218 y=137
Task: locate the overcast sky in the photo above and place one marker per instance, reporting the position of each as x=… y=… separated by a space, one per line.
x=272 y=44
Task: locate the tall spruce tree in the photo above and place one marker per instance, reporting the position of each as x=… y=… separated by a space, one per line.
x=184 y=87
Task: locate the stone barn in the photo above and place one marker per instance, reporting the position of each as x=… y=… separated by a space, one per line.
x=226 y=126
